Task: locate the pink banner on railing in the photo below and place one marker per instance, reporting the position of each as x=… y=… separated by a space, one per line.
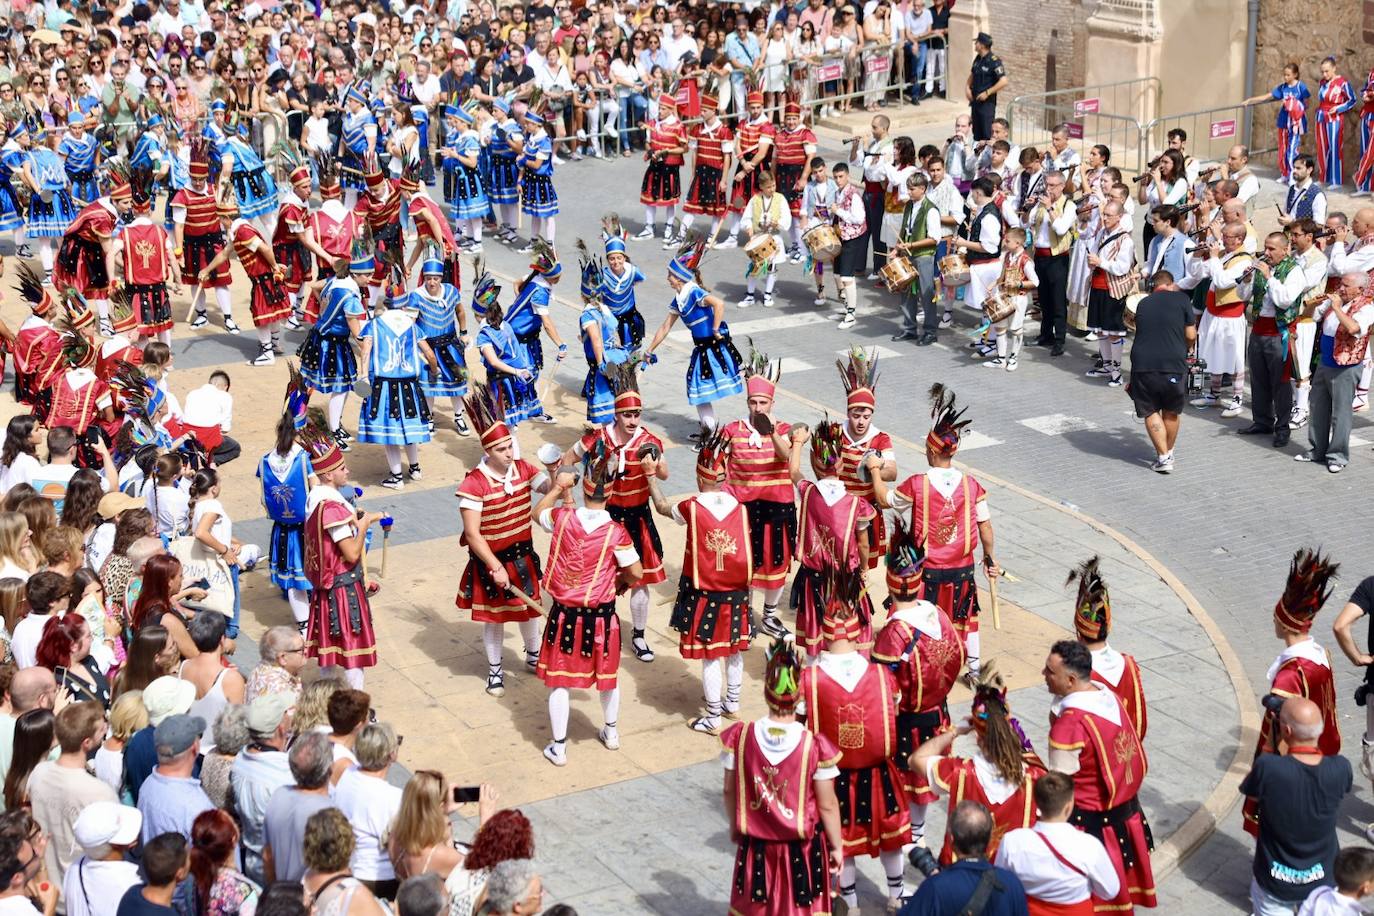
x=878 y=64
x=1225 y=128
x=1075 y=129
x=826 y=73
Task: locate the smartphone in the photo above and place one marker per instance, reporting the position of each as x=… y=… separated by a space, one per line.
x=59 y=674
x=464 y=795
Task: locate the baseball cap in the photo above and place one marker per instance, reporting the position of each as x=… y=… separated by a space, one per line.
x=167 y=696
x=266 y=712
x=111 y=504
x=107 y=823
x=177 y=733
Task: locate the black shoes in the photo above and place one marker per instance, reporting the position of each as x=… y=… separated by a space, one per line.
x=925 y=340
x=1281 y=437
x=1254 y=429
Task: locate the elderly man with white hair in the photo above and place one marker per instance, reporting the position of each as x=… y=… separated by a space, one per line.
x=513 y=889
x=282 y=651
x=1353 y=252
x=1344 y=317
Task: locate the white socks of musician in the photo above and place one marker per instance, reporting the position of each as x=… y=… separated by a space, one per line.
x=706 y=416
x=1104 y=351
x=768 y=283
x=894 y=865
x=848 y=891
x=710 y=689
x=335 y=410
x=850 y=294
x=972 y=645
x=1118 y=350
x=45 y=253
x=918 y=823
x=796 y=234
x=300 y=607
x=1300 y=396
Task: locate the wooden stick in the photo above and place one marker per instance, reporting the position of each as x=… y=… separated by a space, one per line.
x=525 y=599
x=996 y=608
x=386 y=537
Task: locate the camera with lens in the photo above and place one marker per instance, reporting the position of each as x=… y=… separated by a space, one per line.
x=1362 y=693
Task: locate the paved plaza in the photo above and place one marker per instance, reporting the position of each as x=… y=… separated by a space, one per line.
x=1195 y=562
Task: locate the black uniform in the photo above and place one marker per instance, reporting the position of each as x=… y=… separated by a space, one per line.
x=988 y=70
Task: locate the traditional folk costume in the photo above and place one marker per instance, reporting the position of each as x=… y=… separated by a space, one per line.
x=1092 y=620
x=1364 y=172
x=13 y=155
x=628 y=501
x=713 y=369
x=380 y=212
x=293 y=223
x=588 y=554
x=503 y=190
x=852 y=226
x=285 y=485
x=1290 y=122
x=359 y=127
x=254 y=188
x=339 y=632
x=761 y=479
x=517 y=397
x=1092 y=727
x=463 y=190
x=752 y=135
x=328 y=363
x=333 y=225
x=51 y=209
x=439 y=318
x=37 y=344
x=202 y=238
x=78 y=151
x=1008 y=798
x=501 y=503
x=852 y=702
x=395 y=412
x=795 y=145
x=1334 y=98
x=81 y=260
x=432 y=229
x=947 y=507
x=597 y=323
x=860 y=379
x=1016 y=277
x=268 y=302
x=1107 y=299
x=1222 y=330
x=662 y=184
x=618 y=292
x=713 y=148
x=832 y=525
x=1303 y=668
x=924 y=651
x=782 y=866
x=765 y=217
x=532 y=300
x=538 y=199
x=711 y=611
x=148 y=255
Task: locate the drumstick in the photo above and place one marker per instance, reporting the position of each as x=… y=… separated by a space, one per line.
x=996 y=609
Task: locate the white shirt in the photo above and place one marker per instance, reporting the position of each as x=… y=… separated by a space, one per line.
x=170 y=507
x=917 y=24
x=1345 y=259
x=21 y=471
x=209 y=406
x=1324 y=901
x=1049 y=880
x=776 y=740
x=370 y=804
x=24 y=643
x=1330 y=323
x=678 y=48
x=223 y=528
x=94 y=888
x=426 y=90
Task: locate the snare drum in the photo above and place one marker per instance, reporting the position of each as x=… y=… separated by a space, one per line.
x=1128 y=316
x=761 y=249
x=954 y=269
x=998 y=306
x=823 y=242
x=898 y=274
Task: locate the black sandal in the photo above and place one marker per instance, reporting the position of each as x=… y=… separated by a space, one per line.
x=644 y=654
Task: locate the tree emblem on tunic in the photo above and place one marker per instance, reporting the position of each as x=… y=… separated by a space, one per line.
x=145 y=250
x=1123 y=748
x=719 y=542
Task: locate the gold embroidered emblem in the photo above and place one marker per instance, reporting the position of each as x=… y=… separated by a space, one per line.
x=1123 y=749
x=769 y=791
x=851 y=736
x=719 y=542
x=145 y=250
x=945 y=527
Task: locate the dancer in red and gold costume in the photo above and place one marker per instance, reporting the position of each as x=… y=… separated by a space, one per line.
x=1092 y=740
x=861 y=439
x=832 y=534
x=196 y=229
x=339 y=630
x=763 y=464
x=712 y=608
x=82 y=258
x=37 y=345
x=1000 y=775
x=949 y=515
x=293 y=239
x=591 y=560
x=713 y=149
x=662 y=185
x=494 y=500
x=852 y=703
x=780 y=798
x=1303 y=668
x=142 y=259
x=268 y=303
x=432 y=230
x=380 y=214
x=796 y=147
x=628 y=498
x=921 y=646
x=80 y=398
x=1092 y=620
x=754 y=156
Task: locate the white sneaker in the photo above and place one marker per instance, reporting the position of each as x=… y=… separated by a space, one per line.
x=847 y=322
x=1163 y=465
x=646 y=233
x=946 y=321
x=1298 y=418
x=995 y=363
x=796 y=256
x=1092 y=335
x=265 y=357
x=1232 y=408
x=609 y=738
x=819 y=300
x=1202 y=403
x=1011 y=364
x=873 y=276
x=555 y=754
x=728 y=242
x=746 y=301
x=768 y=300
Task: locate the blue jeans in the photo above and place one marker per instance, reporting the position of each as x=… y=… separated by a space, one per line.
x=633 y=108
x=232 y=631
x=915 y=71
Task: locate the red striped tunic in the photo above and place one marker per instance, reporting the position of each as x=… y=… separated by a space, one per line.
x=668 y=136
x=254 y=264
x=505 y=516
x=757 y=472
x=710 y=144
x=631 y=489
x=201 y=215
x=791 y=145
x=749 y=134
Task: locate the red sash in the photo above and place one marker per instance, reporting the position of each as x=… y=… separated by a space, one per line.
x=1083 y=907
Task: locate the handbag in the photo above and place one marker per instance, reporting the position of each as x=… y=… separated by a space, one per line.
x=200 y=562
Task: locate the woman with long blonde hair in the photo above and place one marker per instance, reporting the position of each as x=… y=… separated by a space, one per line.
x=421 y=839
x=18 y=559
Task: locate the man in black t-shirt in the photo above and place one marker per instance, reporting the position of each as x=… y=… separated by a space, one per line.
x=1299 y=795
x=517 y=76
x=1164 y=335
x=1361 y=604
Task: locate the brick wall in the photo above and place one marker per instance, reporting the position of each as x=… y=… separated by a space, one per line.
x=1024 y=40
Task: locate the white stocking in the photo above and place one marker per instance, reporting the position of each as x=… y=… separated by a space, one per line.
x=1301 y=395
x=549 y=230
x=165 y=336
x=771 y=597
x=529 y=634
x=893 y=867
x=686 y=222
x=610 y=707
x=796 y=234
x=1104 y=350
x=413 y=452
x=45 y=253
x=475 y=230
x=102 y=308
x=508 y=217
x=222 y=301
x=918 y=822
x=649 y=218
x=706 y=414
x=768 y=284
x=1118 y=350
x=492 y=639
x=264 y=334
x=971 y=645
x=848 y=891
x=336 y=409
x=393 y=458
x=734 y=680
x=639 y=607
x=299 y=601
x=354 y=677
x=558 y=713
x=710 y=688
x=197 y=298
x=734 y=225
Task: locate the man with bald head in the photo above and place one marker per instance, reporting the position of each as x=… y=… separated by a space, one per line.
x=1237 y=169
x=1233 y=214
x=1345 y=317
x=1299 y=792
x=32 y=688
x=1221 y=331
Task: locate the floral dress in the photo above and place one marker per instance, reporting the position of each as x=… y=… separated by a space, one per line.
x=233 y=894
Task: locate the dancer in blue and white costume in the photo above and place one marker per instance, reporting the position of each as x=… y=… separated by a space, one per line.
x=254 y=188
x=326 y=354
x=600 y=344
x=358 y=140
x=618 y=282
x=13 y=155
x=713 y=371
x=215 y=133
x=503 y=184
x=538 y=199
x=503 y=355
x=395 y=413
x=529 y=313
x=444 y=326
x=463 y=189
x=51 y=209
x=286 y=478
x=78 y=150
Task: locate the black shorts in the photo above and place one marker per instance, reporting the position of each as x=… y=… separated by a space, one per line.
x=853 y=254
x=1153 y=392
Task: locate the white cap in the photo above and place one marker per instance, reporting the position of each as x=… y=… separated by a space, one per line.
x=167 y=696
x=107 y=823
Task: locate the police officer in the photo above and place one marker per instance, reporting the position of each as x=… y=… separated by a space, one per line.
x=987 y=76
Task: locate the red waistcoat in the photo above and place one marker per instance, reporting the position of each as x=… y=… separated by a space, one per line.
x=718 y=557
x=582 y=567
x=827 y=535
x=631 y=488
x=1111 y=761
x=254 y=264
x=202 y=217
x=75 y=407
x=862 y=723
x=926 y=671
x=145 y=254
x=949 y=527
x=710 y=144
x=775 y=802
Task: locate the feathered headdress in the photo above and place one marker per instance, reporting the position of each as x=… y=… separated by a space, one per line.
x=948 y=425
x=761 y=375
x=116 y=169
x=601 y=468
x=990 y=702
x=782 y=677
x=142 y=397
x=327 y=168
x=123 y=318
x=591 y=268
x=30 y=277
x=713 y=453
x=859 y=375
x=543 y=260
x=1092 y=611
x=292 y=161
x=613 y=235
x=141 y=189
x=200 y=157
x=362 y=254
x=485 y=290
x=827 y=447
x=76 y=347
x=78 y=312
x=687 y=265
x=314 y=436
x=486 y=414
x=1308 y=587
x=624 y=380
x=843 y=596
x=297 y=400
x=906 y=562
